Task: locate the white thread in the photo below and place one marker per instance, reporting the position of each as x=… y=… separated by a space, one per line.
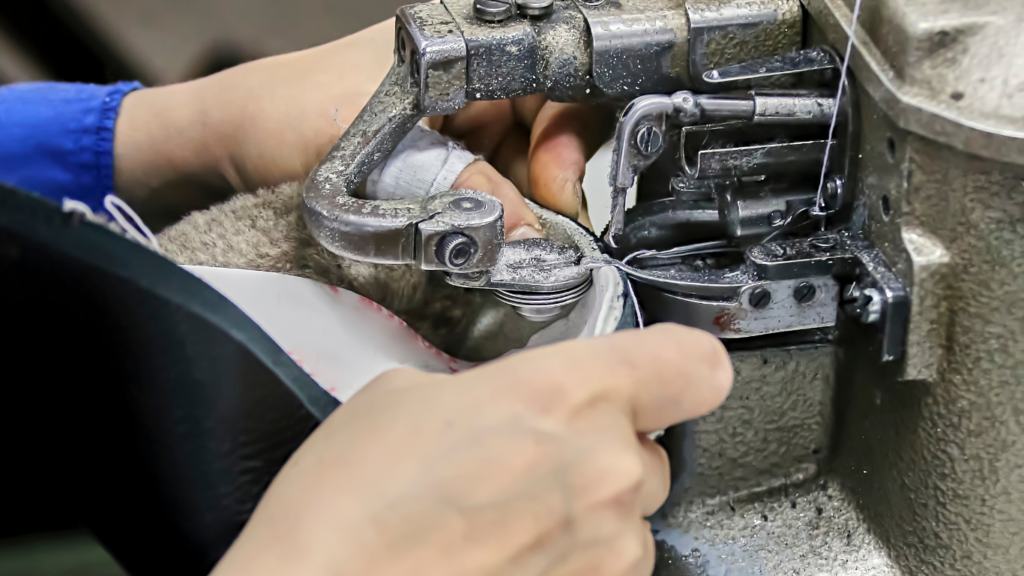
x=839 y=95
x=69 y=205
x=636 y=304
x=117 y=208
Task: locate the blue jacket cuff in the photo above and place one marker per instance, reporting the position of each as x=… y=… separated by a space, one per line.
x=57 y=139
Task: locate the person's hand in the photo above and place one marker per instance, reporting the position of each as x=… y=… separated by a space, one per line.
x=184 y=146
x=537 y=464
x=542 y=147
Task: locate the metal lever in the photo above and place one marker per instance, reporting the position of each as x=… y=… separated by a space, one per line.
x=809 y=60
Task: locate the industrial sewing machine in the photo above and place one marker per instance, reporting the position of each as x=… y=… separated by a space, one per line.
x=855 y=239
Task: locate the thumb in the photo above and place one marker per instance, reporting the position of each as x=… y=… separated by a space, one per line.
x=520 y=221
x=659 y=376
x=564 y=137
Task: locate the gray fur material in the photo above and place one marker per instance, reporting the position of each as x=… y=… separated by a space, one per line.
x=265 y=231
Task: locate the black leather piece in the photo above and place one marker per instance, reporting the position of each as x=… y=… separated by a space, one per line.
x=135 y=394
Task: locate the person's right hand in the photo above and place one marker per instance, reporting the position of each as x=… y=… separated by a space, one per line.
x=537 y=464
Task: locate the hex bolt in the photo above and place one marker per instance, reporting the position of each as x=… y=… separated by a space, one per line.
x=804 y=292
x=535 y=8
x=492 y=10
x=648 y=139
x=775 y=218
x=455 y=250
x=760 y=298
x=833 y=194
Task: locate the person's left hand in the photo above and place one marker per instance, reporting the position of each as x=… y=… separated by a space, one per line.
x=185 y=146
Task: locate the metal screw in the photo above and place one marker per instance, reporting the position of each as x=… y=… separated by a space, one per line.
x=760 y=298
x=455 y=250
x=833 y=194
x=492 y=10
x=535 y=8
x=593 y=2
x=775 y=218
x=648 y=139
x=804 y=292
x=467 y=205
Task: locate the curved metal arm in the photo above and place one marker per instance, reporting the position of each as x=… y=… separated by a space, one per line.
x=411 y=230
x=639 y=138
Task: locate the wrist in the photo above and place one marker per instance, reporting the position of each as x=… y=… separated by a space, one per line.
x=167 y=157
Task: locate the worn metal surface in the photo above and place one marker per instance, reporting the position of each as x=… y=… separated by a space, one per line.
x=759 y=309
x=771 y=68
x=774 y=428
x=723 y=33
x=522 y=56
x=429 y=35
x=813 y=530
x=937 y=464
x=928 y=328
x=638 y=46
x=756 y=160
x=952 y=71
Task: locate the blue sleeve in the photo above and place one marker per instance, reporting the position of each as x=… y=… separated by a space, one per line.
x=58 y=139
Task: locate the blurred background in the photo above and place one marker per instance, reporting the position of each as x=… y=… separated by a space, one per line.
x=165 y=41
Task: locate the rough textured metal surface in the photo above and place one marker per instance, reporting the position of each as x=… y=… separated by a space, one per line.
x=639 y=46
x=729 y=32
x=937 y=465
x=503 y=59
x=328 y=201
x=773 y=429
x=946 y=69
x=428 y=33
x=814 y=530
x=565 y=55
x=928 y=328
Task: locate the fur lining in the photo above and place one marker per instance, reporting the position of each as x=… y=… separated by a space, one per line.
x=266 y=231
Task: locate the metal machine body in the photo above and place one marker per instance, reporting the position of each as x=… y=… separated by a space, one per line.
x=856 y=242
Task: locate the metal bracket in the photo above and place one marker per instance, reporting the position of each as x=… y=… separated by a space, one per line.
x=801 y=62
x=872 y=292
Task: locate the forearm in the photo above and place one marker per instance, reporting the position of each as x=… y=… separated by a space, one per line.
x=169 y=152
x=182 y=147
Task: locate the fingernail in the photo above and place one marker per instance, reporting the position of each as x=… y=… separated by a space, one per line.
x=523 y=232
